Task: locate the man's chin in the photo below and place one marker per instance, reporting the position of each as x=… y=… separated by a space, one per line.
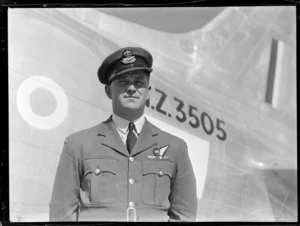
x=131 y=108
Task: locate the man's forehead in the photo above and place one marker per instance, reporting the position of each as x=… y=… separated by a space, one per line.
x=135 y=74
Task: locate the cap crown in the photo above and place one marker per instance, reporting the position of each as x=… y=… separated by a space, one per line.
x=124 y=60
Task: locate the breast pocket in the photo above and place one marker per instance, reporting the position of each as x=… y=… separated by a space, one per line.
x=157 y=177
x=100 y=180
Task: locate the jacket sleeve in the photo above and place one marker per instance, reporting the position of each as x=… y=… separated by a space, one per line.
x=66 y=188
x=183 y=197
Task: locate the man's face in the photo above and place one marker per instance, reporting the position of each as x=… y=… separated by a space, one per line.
x=129 y=93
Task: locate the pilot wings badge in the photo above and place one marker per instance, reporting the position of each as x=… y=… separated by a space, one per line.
x=159 y=153
x=162 y=150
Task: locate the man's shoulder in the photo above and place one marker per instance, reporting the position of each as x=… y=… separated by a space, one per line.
x=85 y=132
x=89 y=132
x=166 y=136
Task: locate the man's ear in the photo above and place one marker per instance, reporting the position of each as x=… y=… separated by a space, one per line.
x=148 y=94
x=108 y=91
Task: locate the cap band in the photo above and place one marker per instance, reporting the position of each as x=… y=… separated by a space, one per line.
x=120 y=68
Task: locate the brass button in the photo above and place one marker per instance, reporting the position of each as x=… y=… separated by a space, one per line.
x=131 y=204
x=160 y=173
x=131 y=159
x=97 y=171
x=131 y=181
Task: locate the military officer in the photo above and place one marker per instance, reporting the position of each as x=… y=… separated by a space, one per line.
x=125 y=168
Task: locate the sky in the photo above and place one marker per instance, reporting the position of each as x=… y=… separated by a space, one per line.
x=168 y=19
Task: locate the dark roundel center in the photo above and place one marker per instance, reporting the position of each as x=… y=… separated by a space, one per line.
x=42 y=102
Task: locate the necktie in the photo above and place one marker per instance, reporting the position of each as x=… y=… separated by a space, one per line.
x=131 y=137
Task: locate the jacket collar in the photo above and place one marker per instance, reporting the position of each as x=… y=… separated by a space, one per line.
x=122 y=124
x=109 y=137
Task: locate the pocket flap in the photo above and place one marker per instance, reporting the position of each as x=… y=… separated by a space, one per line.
x=98 y=166
x=159 y=168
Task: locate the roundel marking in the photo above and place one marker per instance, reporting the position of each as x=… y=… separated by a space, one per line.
x=42 y=102
x=26 y=96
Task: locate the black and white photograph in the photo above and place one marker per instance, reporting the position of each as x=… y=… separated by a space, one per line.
x=142 y=114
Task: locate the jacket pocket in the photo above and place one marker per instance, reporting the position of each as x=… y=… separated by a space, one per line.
x=157 y=177
x=100 y=180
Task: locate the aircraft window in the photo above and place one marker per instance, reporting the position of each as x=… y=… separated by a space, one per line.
x=275 y=83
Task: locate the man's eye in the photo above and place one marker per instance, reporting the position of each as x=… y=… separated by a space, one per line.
x=122 y=83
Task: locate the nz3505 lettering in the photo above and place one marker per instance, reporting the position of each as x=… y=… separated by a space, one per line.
x=191 y=116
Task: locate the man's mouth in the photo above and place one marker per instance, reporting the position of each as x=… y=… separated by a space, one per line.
x=131 y=97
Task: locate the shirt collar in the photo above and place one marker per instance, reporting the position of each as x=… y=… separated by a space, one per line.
x=122 y=124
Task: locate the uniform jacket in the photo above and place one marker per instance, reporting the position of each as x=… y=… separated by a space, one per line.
x=98 y=180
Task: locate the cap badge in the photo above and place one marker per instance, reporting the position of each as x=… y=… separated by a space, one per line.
x=128 y=57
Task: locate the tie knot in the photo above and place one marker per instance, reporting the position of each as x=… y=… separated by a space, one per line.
x=131 y=127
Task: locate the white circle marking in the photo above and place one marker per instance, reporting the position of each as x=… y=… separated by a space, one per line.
x=23 y=102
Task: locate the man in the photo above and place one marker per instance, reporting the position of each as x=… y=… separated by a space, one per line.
x=124 y=169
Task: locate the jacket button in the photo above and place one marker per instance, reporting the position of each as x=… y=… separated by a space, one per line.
x=97 y=171
x=131 y=159
x=131 y=181
x=160 y=173
x=131 y=204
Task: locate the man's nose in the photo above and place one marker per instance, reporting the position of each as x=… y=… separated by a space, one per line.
x=131 y=89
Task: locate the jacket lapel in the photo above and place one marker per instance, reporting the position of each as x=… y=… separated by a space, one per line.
x=109 y=137
x=146 y=139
